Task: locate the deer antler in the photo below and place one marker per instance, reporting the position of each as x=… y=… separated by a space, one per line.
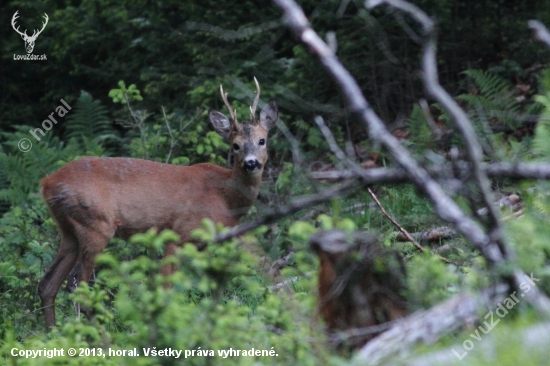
x=256 y=99
x=232 y=111
x=13 y=19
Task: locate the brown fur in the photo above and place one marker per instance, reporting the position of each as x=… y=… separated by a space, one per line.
x=94 y=199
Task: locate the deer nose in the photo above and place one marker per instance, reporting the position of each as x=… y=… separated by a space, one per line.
x=251 y=165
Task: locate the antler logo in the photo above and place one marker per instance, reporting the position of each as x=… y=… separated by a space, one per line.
x=29 y=40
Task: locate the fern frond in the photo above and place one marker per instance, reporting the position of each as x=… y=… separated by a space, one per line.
x=494 y=101
x=420 y=132
x=20 y=171
x=89 y=119
x=490 y=85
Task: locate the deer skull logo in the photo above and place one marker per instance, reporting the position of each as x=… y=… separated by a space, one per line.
x=29 y=40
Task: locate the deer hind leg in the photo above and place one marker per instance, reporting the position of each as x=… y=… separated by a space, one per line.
x=75 y=276
x=93 y=240
x=55 y=275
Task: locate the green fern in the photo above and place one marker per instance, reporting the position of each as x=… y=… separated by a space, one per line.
x=421 y=135
x=490 y=85
x=89 y=120
x=495 y=101
x=20 y=171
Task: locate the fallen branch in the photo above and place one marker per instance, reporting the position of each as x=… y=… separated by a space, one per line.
x=437 y=233
x=536 y=337
x=428 y=326
x=404 y=232
x=286 y=283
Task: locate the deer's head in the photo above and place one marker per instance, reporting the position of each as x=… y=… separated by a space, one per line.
x=248 y=140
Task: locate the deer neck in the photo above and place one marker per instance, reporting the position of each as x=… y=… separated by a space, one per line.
x=242 y=190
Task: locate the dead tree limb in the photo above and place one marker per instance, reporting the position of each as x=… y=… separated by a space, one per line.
x=445 y=207
x=541 y=32
x=294 y=206
x=429 y=325
x=496 y=241
x=404 y=232
x=535 y=337
x=489 y=244
x=436 y=233
x=515 y=171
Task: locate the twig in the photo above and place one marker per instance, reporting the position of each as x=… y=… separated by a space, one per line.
x=490 y=246
x=172 y=140
x=284 y=283
x=516 y=171
x=495 y=242
x=436 y=131
x=511 y=216
x=436 y=233
x=445 y=207
x=358 y=170
x=401 y=228
x=395 y=223
x=296 y=205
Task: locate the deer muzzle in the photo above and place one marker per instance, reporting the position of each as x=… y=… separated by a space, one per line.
x=252 y=165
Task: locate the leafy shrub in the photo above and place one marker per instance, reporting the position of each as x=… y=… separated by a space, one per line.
x=217 y=302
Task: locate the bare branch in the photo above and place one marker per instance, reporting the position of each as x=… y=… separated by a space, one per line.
x=256 y=98
x=395 y=223
x=445 y=207
x=172 y=139
x=491 y=245
x=458 y=116
x=515 y=171
x=535 y=337
x=429 y=325
x=296 y=205
x=541 y=32
x=436 y=233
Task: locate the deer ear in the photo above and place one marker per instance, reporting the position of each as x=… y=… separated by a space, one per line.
x=221 y=123
x=269 y=115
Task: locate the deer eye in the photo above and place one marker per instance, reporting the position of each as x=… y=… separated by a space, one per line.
x=236 y=147
x=262 y=142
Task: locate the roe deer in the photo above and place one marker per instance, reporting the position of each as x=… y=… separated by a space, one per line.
x=93 y=199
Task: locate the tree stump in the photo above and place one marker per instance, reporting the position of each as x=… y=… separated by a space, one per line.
x=361 y=286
